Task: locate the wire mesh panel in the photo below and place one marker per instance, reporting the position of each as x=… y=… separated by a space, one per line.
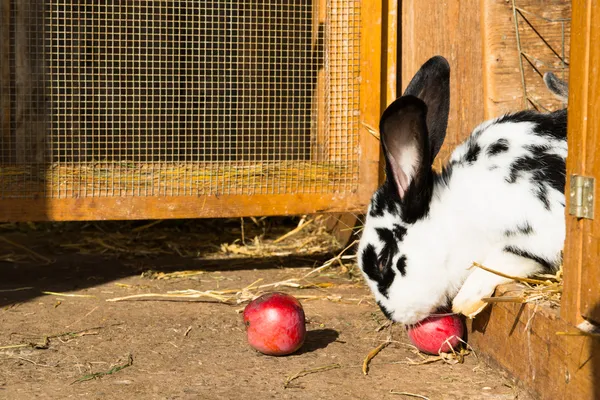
x=179 y=98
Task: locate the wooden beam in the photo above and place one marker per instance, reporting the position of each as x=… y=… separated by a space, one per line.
x=582 y=271
x=173 y=207
x=5 y=83
x=522 y=338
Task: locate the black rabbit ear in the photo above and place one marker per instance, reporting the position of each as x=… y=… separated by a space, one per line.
x=405 y=143
x=432 y=85
x=412 y=130
x=558 y=87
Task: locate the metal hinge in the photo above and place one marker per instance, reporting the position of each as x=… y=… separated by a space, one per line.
x=582 y=197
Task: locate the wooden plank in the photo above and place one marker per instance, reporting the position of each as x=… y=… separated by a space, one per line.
x=370 y=98
x=174 y=207
x=451 y=29
x=523 y=340
x=390 y=16
x=5 y=84
x=320 y=128
x=573 y=252
x=391 y=65
x=503 y=81
x=584 y=125
x=581 y=268
x=342 y=225
x=590 y=271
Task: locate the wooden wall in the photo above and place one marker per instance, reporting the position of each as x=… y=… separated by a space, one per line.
x=451 y=29
x=544 y=41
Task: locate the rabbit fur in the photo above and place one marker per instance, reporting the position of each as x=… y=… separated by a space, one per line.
x=499 y=201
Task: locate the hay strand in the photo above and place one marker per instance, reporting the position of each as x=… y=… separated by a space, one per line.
x=409 y=394
x=305 y=372
x=36 y=256
x=372 y=354
x=16 y=289
x=514 y=278
x=111 y=371
x=67 y=294
x=303 y=224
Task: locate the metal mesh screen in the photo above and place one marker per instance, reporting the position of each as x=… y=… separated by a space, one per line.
x=146 y=98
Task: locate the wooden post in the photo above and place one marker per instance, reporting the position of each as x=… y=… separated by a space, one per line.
x=320 y=129
x=581 y=294
x=5 y=98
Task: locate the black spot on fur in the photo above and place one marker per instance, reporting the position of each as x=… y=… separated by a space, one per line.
x=546 y=169
x=553 y=166
x=370 y=262
x=378 y=267
x=552 y=125
x=384 y=200
x=373 y=268
x=401 y=265
x=548 y=266
x=524 y=229
x=472 y=152
x=390 y=239
x=390 y=247
x=498 y=147
x=385 y=311
x=444 y=177
x=399 y=232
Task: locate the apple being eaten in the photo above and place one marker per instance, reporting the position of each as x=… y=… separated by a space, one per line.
x=437 y=333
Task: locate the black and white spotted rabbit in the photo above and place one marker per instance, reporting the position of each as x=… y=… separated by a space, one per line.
x=499 y=201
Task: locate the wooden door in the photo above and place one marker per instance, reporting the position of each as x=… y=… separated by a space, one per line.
x=196 y=109
x=581 y=298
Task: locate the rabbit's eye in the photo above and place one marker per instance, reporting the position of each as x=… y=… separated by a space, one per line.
x=381 y=264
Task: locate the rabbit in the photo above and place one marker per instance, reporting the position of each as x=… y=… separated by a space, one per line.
x=499 y=201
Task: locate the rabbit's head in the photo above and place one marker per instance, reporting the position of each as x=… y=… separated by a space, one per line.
x=412 y=130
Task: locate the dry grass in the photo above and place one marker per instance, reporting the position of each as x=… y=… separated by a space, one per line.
x=227 y=239
x=242 y=295
x=542 y=289
x=160 y=178
x=211 y=239
x=305 y=372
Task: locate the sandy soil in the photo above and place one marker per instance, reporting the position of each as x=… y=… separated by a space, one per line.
x=59 y=346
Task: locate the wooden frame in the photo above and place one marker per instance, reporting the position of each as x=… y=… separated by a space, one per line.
x=582 y=270
x=522 y=338
x=371 y=90
x=539 y=346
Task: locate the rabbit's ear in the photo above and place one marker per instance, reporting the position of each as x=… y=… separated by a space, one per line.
x=412 y=130
x=558 y=87
x=432 y=85
x=405 y=141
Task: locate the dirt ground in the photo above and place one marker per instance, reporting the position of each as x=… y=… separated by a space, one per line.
x=70 y=342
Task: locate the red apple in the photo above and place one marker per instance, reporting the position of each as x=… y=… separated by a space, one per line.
x=437 y=334
x=275 y=324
